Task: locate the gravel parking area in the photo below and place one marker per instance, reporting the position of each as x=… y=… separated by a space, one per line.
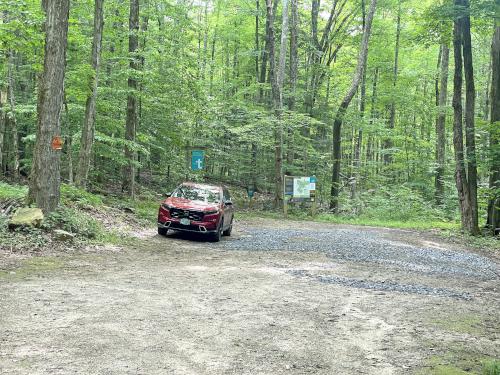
x=274 y=298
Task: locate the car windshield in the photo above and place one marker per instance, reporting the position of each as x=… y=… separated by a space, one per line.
x=195 y=193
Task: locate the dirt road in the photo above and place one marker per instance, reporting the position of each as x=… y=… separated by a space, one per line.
x=273 y=299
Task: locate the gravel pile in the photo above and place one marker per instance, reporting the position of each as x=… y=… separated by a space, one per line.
x=369 y=247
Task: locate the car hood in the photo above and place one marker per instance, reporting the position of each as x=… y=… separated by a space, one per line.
x=186 y=204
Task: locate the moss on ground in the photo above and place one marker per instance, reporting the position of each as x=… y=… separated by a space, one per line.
x=33 y=266
x=461 y=323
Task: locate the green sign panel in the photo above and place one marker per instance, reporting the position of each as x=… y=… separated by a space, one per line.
x=299 y=189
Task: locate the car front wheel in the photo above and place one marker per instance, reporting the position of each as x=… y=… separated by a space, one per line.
x=162 y=231
x=217 y=235
x=227 y=232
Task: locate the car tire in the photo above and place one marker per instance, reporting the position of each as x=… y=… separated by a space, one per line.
x=216 y=237
x=162 y=231
x=228 y=231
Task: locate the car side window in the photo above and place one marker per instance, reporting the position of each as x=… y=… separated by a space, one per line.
x=227 y=197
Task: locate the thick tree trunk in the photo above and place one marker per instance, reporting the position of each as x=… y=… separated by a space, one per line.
x=493 y=220
x=45 y=174
x=339 y=117
x=88 y=128
x=440 y=124
x=463 y=160
x=131 y=121
x=388 y=144
x=458 y=138
x=470 y=133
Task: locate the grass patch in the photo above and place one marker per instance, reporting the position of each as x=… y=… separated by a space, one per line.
x=8 y=191
x=446 y=370
x=460 y=360
x=147 y=209
x=363 y=221
x=470 y=324
x=33 y=266
x=72 y=195
x=491 y=367
x=486 y=242
x=367 y=221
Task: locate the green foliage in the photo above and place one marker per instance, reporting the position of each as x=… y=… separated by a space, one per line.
x=198 y=86
x=22 y=238
x=491 y=367
x=71 y=195
x=399 y=204
x=73 y=221
x=8 y=191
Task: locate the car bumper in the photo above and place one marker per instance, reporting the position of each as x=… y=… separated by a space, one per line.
x=196 y=227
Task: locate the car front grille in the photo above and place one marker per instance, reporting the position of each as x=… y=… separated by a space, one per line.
x=186 y=214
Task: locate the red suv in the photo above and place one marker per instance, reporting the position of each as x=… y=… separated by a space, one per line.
x=199 y=208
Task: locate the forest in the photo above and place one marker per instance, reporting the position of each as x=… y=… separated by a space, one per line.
x=393 y=105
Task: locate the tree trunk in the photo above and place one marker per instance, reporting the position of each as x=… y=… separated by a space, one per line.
x=294 y=57
x=294 y=72
x=12 y=117
x=370 y=152
x=392 y=115
x=470 y=133
x=88 y=128
x=355 y=175
x=257 y=43
x=46 y=175
x=493 y=220
x=131 y=121
x=440 y=124
x=266 y=52
x=69 y=151
x=212 y=51
x=278 y=104
x=3 y=117
x=339 y=117
x=463 y=184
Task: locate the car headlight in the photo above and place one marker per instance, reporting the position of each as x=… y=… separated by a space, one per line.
x=212 y=212
x=166 y=206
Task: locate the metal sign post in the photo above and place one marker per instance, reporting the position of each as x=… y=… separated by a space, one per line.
x=250 y=193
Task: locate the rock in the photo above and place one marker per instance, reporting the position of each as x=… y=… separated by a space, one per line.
x=62 y=235
x=26 y=217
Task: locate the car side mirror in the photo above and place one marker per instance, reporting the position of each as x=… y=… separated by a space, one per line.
x=168 y=195
x=228 y=202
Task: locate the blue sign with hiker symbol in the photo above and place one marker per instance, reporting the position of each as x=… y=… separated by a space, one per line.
x=197 y=160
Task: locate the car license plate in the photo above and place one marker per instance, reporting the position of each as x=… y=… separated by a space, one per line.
x=185 y=221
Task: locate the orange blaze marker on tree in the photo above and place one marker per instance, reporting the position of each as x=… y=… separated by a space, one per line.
x=57 y=143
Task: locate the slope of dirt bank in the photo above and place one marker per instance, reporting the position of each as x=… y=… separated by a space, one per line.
x=275 y=298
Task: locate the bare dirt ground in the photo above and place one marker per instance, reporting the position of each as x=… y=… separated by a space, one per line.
x=274 y=298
